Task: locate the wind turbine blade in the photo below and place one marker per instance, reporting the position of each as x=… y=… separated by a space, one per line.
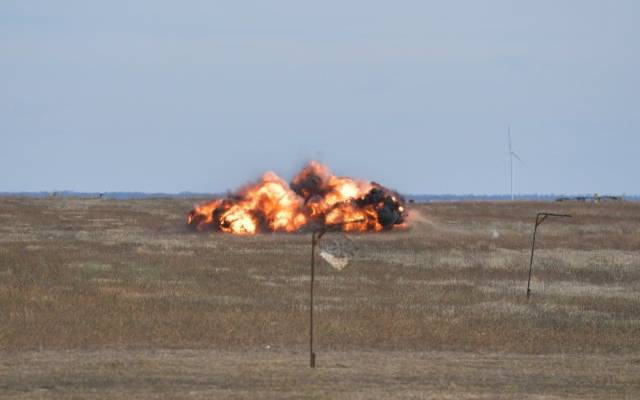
x=513 y=154
x=509 y=136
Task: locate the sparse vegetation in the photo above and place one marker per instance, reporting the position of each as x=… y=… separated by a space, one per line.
x=442 y=303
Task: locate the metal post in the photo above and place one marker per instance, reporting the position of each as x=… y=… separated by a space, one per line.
x=312 y=355
x=540 y=217
x=315 y=238
x=533 y=245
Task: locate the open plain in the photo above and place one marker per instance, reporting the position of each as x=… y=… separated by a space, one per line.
x=114 y=299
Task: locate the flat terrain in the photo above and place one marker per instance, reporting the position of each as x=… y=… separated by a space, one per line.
x=112 y=299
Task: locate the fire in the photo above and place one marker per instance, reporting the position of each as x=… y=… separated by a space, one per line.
x=314 y=197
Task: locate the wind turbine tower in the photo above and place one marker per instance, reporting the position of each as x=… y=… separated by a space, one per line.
x=512 y=155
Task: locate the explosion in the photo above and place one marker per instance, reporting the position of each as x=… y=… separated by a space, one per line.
x=315 y=197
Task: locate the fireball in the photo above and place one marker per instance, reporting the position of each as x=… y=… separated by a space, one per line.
x=314 y=197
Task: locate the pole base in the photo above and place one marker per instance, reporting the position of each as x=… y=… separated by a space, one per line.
x=313 y=360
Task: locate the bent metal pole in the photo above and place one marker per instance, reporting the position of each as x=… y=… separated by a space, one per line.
x=540 y=217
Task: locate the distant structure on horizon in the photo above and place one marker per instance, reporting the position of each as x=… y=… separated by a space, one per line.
x=595 y=199
x=512 y=155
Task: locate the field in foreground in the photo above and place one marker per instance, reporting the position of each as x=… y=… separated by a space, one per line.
x=118 y=298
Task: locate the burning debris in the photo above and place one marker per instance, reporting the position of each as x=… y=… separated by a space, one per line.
x=315 y=197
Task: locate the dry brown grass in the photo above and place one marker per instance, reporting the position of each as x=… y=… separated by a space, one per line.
x=97 y=274
x=266 y=374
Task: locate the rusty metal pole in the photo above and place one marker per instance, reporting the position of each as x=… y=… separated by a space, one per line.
x=315 y=237
x=540 y=217
x=316 y=234
x=312 y=355
x=533 y=245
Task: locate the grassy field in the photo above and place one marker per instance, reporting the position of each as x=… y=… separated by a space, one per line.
x=111 y=299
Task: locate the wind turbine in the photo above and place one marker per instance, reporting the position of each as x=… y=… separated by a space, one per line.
x=512 y=155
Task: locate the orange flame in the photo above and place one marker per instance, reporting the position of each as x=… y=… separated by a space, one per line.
x=315 y=196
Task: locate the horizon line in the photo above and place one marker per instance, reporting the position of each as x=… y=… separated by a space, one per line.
x=186 y=193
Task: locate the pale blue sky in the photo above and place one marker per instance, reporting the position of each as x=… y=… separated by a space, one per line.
x=204 y=95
